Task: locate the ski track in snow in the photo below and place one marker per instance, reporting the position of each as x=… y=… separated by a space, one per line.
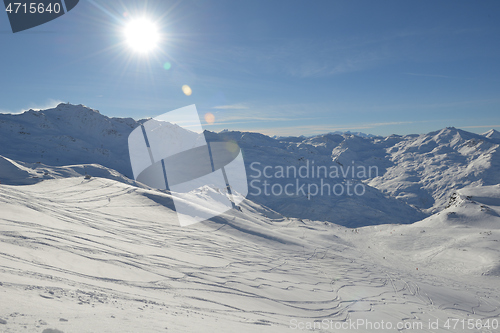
x=100 y=256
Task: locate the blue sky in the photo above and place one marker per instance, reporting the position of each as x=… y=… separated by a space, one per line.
x=276 y=67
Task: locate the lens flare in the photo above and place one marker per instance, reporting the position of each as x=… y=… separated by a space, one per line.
x=187 y=90
x=167 y=66
x=209 y=118
x=232 y=146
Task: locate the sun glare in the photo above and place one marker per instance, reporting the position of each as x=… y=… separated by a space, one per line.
x=142 y=35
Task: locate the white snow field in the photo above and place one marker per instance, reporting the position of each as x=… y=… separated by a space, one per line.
x=98 y=255
x=418 y=252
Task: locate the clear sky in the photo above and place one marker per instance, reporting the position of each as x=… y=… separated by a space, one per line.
x=279 y=67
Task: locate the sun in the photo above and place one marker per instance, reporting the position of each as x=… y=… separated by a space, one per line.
x=142 y=35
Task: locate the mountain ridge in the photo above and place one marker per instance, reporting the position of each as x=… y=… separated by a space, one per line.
x=416 y=173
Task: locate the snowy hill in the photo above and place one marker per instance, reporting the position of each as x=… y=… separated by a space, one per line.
x=66 y=135
x=22 y=173
x=464 y=238
x=103 y=256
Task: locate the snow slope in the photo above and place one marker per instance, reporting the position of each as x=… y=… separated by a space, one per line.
x=22 y=173
x=462 y=239
x=100 y=255
x=106 y=254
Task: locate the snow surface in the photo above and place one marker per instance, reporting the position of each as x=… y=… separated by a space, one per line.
x=99 y=255
x=104 y=253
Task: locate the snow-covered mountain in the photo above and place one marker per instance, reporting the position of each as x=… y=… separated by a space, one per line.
x=67 y=134
x=413 y=175
x=104 y=253
x=425 y=169
x=418 y=171
x=360 y=134
x=492 y=134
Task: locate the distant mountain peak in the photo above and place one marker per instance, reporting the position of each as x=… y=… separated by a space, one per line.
x=492 y=134
x=360 y=134
x=64 y=107
x=67 y=134
x=73 y=107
